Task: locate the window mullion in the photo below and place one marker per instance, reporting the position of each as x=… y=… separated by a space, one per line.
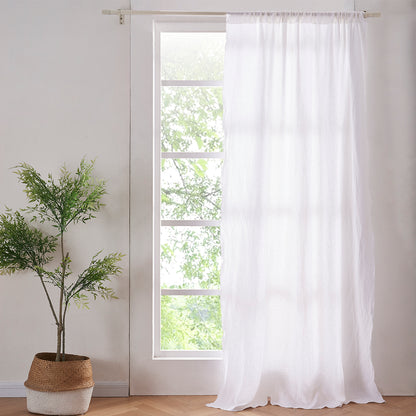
x=192 y=155
x=190 y=223
x=189 y=292
x=191 y=83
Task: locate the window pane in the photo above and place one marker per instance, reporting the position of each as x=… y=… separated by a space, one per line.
x=190 y=258
x=191 y=119
x=190 y=323
x=191 y=189
x=192 y=56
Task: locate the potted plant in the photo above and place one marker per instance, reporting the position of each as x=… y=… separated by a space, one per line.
x=58 y=383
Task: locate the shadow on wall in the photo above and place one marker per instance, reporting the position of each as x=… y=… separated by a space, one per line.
x=391 y=90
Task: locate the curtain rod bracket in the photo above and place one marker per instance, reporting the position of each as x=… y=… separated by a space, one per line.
x=122 y=17
x=121 y=13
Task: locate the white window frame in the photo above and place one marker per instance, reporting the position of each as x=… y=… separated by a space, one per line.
x=175 y=27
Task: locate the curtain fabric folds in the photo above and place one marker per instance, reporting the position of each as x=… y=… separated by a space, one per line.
x=298 y=268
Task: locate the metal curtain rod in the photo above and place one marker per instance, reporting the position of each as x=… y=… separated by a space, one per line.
x=122 y=12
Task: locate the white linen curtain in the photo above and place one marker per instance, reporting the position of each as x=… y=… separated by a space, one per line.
x=298 y=272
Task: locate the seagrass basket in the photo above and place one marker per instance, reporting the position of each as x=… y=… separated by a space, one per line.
x=59 y=387
x=46 y=374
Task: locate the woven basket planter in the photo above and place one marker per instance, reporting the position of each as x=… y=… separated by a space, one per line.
x=59 y=388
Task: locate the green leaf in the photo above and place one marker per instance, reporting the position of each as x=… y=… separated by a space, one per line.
x=22 y=247
x=92 y=279
x=72 y=198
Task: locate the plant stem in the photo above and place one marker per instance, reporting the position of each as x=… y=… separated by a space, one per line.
x=49 y=299
x=63 y=331
x=61 y=298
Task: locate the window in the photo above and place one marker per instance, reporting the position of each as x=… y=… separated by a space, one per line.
x=187 y=194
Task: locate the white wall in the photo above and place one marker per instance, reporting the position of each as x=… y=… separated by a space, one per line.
x=64 y=93
x=392 y=134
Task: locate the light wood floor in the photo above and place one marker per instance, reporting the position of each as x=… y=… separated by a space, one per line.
x=195 y=406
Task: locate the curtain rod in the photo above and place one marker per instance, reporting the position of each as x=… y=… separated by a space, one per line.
x=122 y=12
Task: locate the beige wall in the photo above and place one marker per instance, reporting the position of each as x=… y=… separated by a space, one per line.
x=64 y=93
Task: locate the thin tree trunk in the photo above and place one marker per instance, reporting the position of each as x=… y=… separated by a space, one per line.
x=63 y=332
x=53 y=312
x=58 y=343
x=61 y=298
x=49 y=298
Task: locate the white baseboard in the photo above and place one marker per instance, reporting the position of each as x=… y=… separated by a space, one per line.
x=12 y=389
x=111 y=389
x=101 y=389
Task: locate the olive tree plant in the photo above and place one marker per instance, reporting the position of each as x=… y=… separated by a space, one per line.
x=72 y=198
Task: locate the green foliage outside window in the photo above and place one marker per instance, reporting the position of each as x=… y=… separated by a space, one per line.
x=199 y=251
x=192 y=55
x=191 y=189
x=191 y=121
x=191 y=323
